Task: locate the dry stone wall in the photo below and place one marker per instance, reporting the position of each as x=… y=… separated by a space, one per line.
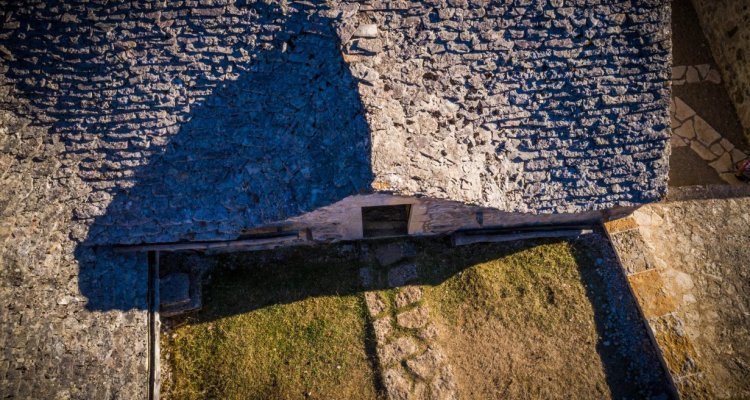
x=726 y=24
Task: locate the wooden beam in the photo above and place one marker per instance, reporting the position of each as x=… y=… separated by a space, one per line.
x=464 y=238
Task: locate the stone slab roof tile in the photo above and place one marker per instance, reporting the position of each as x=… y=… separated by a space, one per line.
x=188 y=121
x=490 y=103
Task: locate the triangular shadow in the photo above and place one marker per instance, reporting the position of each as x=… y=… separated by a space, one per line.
x=285 y=136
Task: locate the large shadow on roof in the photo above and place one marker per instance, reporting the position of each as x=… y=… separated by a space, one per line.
x=285 y=136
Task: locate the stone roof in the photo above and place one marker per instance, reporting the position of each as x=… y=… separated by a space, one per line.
x=528 y=106
x=195 y=120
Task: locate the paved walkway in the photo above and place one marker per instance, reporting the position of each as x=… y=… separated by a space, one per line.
x=690 y=130
x=412 y=363
x=688 y=263
x=708 y=138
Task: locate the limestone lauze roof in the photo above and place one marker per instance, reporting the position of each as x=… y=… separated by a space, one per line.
x=194 y=120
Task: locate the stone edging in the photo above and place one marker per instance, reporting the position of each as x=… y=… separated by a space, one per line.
x=411 y=362
x=657 y=308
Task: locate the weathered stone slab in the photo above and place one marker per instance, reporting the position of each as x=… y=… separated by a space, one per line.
x=366 y=31
x=376 y=303
x=408 y=295
x=402 y=274
x=682 y=111
x=174 y=290
x=427 y=364
x=633 y=251
x=705 y=133
x=382 y=328
x=397 y=384
x=414 y=318
x=392 y=253
x=396 y=350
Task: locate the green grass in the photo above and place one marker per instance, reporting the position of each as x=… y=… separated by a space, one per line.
x=272 y=330
x=294 y=324
x=538 y=286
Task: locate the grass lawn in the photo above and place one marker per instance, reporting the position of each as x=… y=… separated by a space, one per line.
x=273 y=330
x=543 y=319
x=534 y=319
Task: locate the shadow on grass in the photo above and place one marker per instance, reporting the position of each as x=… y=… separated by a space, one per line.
x=631 y=362
x=244 y=282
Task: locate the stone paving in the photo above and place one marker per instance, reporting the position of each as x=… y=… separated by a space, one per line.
x=688 y=264
x=689 y=129
x=725 y=23
x=699 y=87
x=73 y=323
x=413 y=366
x=684 y=74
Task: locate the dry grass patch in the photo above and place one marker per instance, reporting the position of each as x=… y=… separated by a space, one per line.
x=534 y=319
x=538 y=321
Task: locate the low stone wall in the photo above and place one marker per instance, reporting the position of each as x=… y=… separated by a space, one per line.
x=725 y=23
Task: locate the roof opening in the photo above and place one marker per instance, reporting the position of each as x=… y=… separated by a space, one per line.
x=384 y=221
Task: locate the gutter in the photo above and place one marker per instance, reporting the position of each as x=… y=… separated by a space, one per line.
x=493 y=235
x=154 y=327
x=258 y=243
